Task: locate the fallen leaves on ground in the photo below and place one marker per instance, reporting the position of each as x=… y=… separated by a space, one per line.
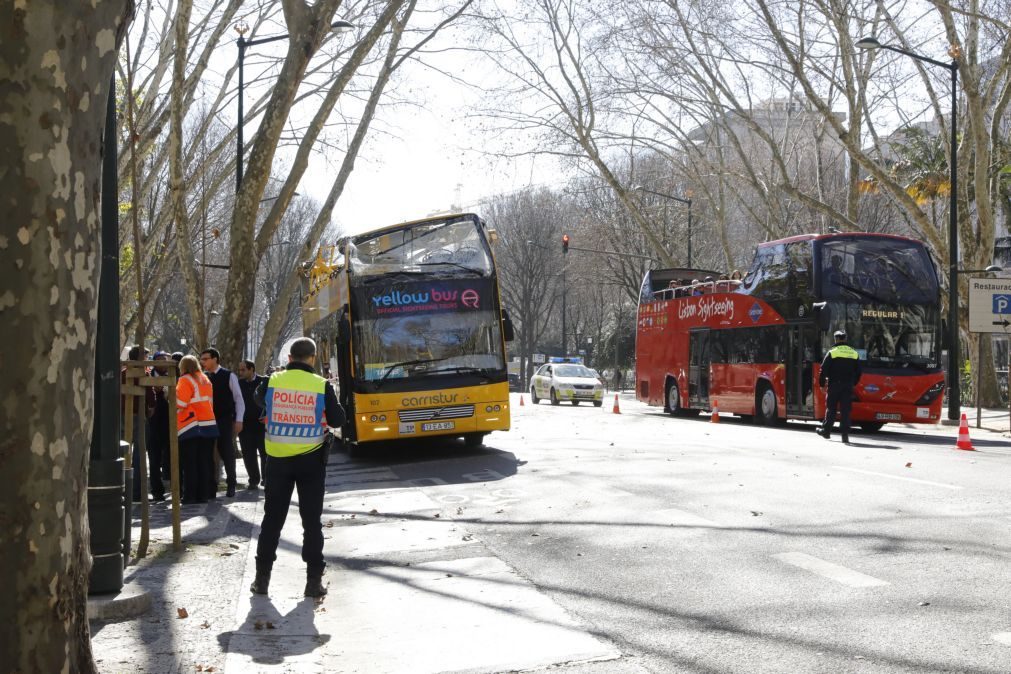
x=182 y=613
x=270 y=626
x=373 y=512
x=909 y=465
x=204 y=625
x=258 y=625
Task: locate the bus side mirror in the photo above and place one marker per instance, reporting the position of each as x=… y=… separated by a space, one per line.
x=824 y=315
x=508 y=333
x=343 y=327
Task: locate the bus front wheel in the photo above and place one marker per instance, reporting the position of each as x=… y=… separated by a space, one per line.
x=766 y=407
x=473 y=440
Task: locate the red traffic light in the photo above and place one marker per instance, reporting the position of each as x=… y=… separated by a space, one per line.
x=565 y=243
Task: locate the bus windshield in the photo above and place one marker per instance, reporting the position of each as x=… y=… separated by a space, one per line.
x=888 y=336
x=422 y=328
x=455 y=245
x=877 y=270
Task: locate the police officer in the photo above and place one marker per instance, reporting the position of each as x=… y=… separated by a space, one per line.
x=295 y=402
x=841 y=369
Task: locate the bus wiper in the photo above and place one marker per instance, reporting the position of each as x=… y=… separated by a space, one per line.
x=473 y=270
x=463 y=368
x=391 y=368
x=871 y=296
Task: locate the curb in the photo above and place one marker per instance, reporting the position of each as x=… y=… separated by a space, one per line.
x=129 y=602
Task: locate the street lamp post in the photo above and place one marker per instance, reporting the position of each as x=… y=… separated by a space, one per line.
x=686 y=200
x=243 y=44
x=954 y=376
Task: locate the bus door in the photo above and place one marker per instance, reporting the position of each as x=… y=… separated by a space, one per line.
x=800 y=356
x=698 y=371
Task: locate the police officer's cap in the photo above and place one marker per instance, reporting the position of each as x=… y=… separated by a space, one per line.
x=840 y=335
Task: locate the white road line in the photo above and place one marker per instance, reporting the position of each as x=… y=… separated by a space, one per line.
x=897 y=477
x=1002 y=638
x=835 y=572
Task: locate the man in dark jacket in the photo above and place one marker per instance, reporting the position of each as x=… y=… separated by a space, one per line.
x=841 y=370
x=296 y=402
x=251 y=437
x=229 y=411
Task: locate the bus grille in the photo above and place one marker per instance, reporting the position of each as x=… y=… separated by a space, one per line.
x=459 y=412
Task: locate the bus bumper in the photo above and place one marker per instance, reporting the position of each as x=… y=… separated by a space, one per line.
x=385 y=425
x=898 y=413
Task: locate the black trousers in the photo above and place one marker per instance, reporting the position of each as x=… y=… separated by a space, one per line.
x=154 y=461
x=842 y=398
x=196 y=458
x=226 y=452
x=254 y=455
x=307 y=474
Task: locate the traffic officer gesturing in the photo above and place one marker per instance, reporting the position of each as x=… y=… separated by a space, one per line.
x=295 y=401
x=841 y=368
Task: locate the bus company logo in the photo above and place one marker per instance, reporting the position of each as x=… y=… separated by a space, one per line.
x=707 y=308
x=433 y=298
x=437 y=399
x=470 y=299
x=755 y=312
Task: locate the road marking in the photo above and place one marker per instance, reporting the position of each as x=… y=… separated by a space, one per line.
x=1002 y=638
x=956 y=487
x=835 y=572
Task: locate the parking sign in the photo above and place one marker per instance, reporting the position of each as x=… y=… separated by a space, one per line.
x=990 y=305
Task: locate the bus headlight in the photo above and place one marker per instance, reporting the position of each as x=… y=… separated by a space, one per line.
x=931 y=394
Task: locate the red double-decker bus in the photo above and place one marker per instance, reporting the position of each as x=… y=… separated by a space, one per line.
x=755 y=345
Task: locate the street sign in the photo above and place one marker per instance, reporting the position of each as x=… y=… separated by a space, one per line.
x=990 y=305
x=538 y=357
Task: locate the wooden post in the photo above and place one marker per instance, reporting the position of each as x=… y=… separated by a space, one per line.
x=177 y=542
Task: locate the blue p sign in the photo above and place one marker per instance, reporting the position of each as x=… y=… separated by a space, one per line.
x=1002 y=304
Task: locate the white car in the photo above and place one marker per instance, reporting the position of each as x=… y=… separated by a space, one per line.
x=565 y=381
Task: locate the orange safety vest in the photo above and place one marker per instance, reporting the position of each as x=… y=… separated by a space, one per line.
x=195 y=407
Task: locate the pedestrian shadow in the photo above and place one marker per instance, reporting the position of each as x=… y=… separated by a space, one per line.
x=871 y=445
x=267 y=637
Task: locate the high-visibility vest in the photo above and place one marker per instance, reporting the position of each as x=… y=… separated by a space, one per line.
x=294 y=419
x=844 y=351
x=195 y=407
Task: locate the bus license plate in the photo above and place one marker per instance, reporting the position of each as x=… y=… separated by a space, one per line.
x=439 y=426
x=881 y=416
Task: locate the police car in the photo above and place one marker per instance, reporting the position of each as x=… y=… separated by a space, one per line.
x=566 y=381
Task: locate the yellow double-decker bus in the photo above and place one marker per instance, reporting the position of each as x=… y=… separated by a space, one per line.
x=412 y=318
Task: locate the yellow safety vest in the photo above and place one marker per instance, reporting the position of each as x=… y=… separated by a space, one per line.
x=844 y=351
x=295 y=401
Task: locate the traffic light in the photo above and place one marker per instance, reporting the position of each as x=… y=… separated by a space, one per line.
x=565 y=244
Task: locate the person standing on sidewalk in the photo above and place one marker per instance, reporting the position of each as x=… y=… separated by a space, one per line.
x=296 y=401
x=841 y=369
x=229 y=410
x=197 y=430
x=252 y=435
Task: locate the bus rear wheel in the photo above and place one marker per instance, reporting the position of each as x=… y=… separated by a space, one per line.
x=554 y=398
x=673 y=399
x=766 y=406
x=871 y=426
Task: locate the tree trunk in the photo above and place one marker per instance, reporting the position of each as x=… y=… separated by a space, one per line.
x=56 y=61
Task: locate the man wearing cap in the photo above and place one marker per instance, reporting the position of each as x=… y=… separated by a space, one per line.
x=841 y=370
x=295 y=402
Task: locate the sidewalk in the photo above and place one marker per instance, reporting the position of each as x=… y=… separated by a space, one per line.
x=411 y=590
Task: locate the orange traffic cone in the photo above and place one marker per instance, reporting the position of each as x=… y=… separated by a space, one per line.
x=715 y=418
x=615 y=409
x=521 y=401
x=963 y=436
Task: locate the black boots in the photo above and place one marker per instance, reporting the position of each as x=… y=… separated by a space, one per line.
x=314 y=587
x=260 y=583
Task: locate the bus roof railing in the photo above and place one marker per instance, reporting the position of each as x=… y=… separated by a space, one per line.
x=700 y=288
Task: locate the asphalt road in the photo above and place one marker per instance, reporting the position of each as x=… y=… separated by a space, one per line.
x=696 y=547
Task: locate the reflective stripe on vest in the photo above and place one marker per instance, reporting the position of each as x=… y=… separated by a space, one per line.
x=294 y=421
x=843 y=351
